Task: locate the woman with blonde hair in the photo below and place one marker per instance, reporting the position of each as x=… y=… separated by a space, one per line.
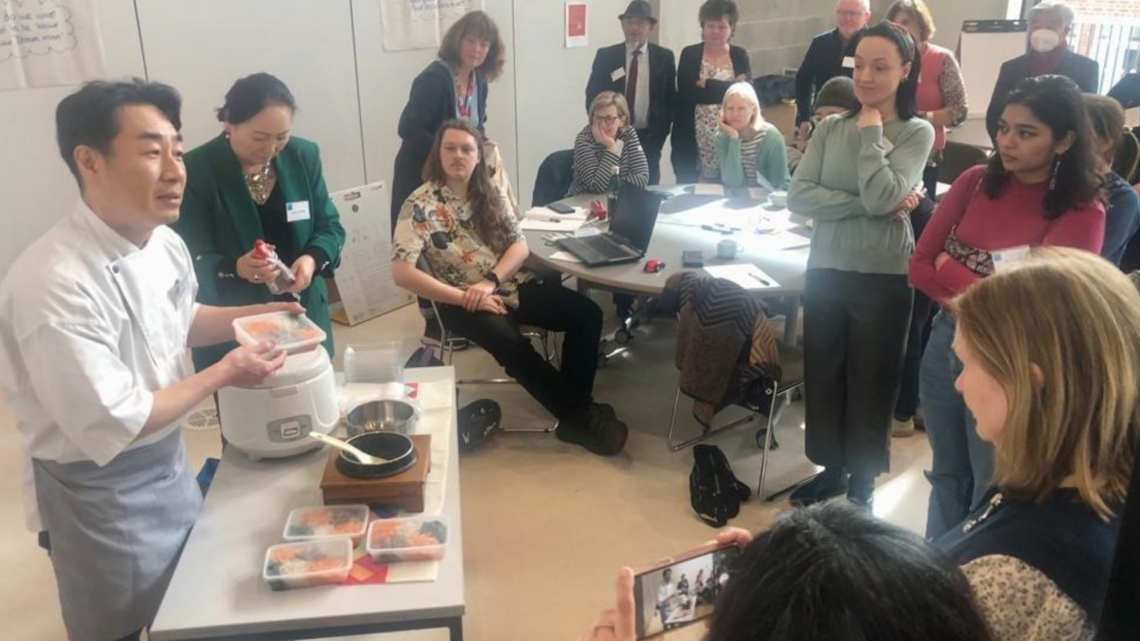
x=606 y=144
x=1050 y=353
x=750 y=150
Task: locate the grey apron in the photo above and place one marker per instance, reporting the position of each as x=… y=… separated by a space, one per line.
x=116 y=533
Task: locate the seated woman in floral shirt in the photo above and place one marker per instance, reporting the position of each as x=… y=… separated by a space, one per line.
x=462 y=228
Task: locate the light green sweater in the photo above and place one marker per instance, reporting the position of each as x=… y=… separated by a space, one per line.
x=742 y=163
x=848 y=182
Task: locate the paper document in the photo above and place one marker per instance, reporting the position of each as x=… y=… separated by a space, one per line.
x=708 y=189
x=551 y=224
x=542 y=213
x=748 y=276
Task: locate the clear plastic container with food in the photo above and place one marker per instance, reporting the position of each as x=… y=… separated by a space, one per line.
x=291 y=333
x=327 y=520
x=304 y=564
x=419 y=538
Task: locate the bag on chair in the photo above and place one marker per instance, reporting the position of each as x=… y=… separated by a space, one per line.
x=714 y=491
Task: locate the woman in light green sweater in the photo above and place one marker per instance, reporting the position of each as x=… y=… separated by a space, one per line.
x=858 y=182
x=751 y=151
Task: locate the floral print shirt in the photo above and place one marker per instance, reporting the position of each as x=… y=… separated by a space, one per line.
x=437 y=225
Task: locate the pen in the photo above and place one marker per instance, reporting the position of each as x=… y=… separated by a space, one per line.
x=755 y=277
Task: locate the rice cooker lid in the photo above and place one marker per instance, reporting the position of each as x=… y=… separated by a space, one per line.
x=299 y=368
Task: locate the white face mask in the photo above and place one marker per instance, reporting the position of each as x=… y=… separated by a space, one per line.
x=1044 y=40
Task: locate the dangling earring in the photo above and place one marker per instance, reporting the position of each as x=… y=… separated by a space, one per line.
x=1056 y=170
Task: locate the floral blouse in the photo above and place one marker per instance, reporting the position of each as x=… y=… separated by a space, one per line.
x=434 y=223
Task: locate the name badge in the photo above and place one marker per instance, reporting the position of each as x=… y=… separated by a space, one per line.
x=848 y=62
x=297 y=211
x=617 y=74
x=1006 y=258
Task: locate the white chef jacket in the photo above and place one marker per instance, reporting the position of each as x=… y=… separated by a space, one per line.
x=90 y=326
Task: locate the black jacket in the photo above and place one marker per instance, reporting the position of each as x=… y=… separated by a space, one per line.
x=1083 y=71
x=662 y=85
x=689 y=95
x=822 y=62
x=431 y=103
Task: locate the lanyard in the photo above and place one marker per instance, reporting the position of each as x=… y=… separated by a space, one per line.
x=463 y=100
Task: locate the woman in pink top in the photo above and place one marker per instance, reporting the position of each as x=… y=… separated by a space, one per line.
x=941 y=91
x=1041 y=188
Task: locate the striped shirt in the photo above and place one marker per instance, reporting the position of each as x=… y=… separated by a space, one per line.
x=748 y=149
x=594 y=164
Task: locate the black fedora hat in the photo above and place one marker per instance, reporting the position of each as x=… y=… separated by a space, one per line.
x=639 y=9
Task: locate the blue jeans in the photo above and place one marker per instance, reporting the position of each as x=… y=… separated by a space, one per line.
x=963 y=463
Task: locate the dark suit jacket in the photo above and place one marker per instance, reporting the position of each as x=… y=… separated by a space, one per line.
x=662 y=86
x=822 y=62
x=431 y=103
x=689 y=95
x=1081 y=70
x=219 y=223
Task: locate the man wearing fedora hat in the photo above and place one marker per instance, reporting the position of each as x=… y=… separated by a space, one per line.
x=645 y=74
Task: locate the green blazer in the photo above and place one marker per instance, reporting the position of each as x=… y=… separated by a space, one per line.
x=219 y=222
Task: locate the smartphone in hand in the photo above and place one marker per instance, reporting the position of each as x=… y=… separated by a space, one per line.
x=681 y=590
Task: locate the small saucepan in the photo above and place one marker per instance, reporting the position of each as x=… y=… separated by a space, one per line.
x=397 y=448
x=388 y=415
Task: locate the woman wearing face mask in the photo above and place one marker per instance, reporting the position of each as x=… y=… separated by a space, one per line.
x=1049 y=25
x=858 y=181
x=607 y=143
x=705 y=71
x=253 y=182
x=1050 y=353
x=749 y=150
x=1040 y=188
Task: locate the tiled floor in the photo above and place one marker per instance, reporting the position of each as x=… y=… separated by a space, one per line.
x=546 y=524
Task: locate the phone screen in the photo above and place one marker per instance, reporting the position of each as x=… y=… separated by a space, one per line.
x=681 y=593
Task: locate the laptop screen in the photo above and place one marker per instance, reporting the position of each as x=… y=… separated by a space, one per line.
x=636 y=215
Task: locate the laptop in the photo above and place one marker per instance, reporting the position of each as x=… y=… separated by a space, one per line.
x=631 y=227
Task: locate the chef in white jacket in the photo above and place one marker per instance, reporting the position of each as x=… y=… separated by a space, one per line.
x=95 y=320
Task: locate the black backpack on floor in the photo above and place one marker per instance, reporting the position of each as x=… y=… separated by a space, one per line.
x=715 y=493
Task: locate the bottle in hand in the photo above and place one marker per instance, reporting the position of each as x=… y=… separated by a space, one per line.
x=285 y=276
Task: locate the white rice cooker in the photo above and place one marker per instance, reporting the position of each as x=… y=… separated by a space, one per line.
x=274 y=419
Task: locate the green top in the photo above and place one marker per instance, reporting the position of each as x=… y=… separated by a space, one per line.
x=848 y=182
x=742 y=162
x=219 y=222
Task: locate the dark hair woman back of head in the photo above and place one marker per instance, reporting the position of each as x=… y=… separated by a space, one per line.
x=249 y=95
x=906 y=98
x=478 y=25
x=831 y=571
x=490 y=210
x=1056 y=102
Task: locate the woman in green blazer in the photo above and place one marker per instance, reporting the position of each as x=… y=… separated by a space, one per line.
x=255 y=182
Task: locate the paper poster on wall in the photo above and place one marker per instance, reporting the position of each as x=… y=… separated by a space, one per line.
x=420 y=24
x=576 y=35
x=45 y=43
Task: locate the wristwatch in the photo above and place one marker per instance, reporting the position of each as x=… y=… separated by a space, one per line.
x=493 y=277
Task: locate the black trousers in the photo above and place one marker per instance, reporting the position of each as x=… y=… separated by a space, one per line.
x=651 y=144
x=565 y=393
x=855 y=334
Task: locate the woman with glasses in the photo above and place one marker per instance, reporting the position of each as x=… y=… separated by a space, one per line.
x=607 y=144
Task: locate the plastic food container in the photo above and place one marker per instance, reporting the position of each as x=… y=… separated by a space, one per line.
x=292 y=333
x=323 y=521
x=289 y=566
x=419 y=538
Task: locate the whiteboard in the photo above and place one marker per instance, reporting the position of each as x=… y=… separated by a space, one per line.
x=984 y=46
x=364 y=278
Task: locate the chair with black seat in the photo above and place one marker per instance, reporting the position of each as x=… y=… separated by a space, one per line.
x=554 y=177
x=542 y=335
x=957 y=158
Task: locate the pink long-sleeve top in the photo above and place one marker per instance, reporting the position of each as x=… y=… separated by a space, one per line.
x=1014 y=218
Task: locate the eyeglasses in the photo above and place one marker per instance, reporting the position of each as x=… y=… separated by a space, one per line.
x=850 y=15
x=606 y=120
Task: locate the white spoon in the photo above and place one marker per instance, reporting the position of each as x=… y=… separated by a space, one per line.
x=364 y=458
